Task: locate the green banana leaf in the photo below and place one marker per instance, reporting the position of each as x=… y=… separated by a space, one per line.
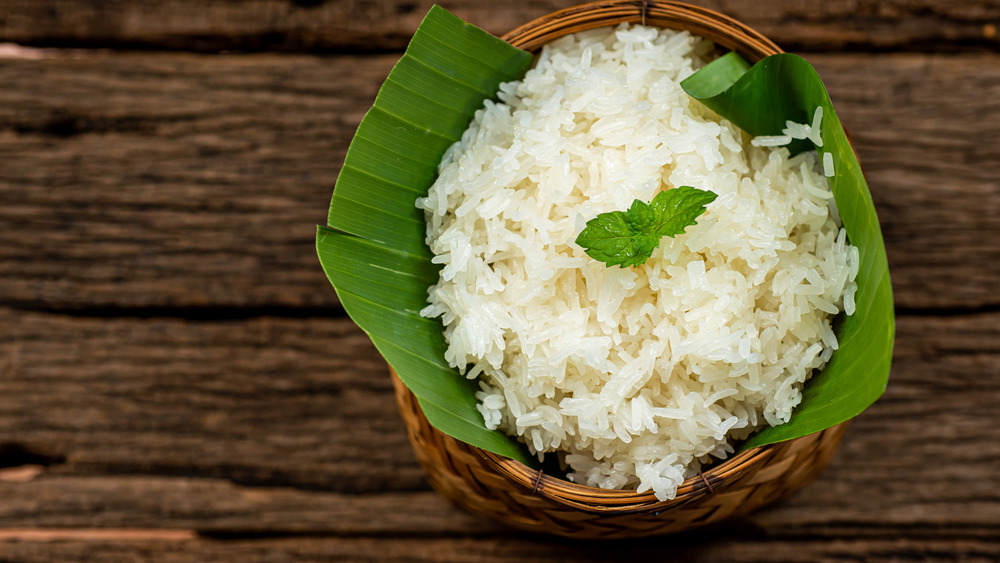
x=374 y=254
x=759 y=100
x=373 y=248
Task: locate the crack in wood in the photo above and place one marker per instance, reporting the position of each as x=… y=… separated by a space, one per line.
x=187 y=313
x=15 y=454
x=93 y=534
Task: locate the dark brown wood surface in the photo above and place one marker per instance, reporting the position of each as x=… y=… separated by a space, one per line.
x=179 y=383
x=386 y=25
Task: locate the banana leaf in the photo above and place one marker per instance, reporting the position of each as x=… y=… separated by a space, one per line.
x=374 y=254
x=759 y=100
x=373 y=248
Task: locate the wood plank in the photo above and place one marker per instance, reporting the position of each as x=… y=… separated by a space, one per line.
x=720 y=546
x=302 y=402
x=218 y=508
x=172 y=180
x=184 y=180
x=933 y=172
x=315 y=25
x=264 y=426
x=831 y=507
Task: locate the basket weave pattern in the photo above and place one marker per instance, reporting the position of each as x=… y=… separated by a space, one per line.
x=506 y=490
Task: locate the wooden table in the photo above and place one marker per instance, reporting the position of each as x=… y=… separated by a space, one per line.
x=179 y=383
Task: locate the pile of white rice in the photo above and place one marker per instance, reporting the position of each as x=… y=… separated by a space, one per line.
x=636 y=375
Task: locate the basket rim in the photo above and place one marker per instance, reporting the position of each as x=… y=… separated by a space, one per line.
x=719 y=28
x=626 y=501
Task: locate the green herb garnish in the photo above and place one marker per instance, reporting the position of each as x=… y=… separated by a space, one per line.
x=628 y=238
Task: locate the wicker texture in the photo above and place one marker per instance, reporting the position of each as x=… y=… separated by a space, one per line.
x=506 y=490
x=720 y=29
x=512 y=493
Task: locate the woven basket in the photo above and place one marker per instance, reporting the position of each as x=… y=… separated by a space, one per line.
x=506 y=490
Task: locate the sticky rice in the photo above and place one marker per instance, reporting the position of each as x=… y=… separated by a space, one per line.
x=635 y=376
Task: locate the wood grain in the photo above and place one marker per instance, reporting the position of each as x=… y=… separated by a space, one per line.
x=154 y=181
x=931 y=165
x=487 y=550
x=173 y=180
x=327 y=26
x=297 y=402
x=287 y=426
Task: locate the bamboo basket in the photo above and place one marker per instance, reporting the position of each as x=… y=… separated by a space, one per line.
x=508 y=491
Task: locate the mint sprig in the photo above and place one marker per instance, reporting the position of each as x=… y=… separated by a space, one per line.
x=628 y=238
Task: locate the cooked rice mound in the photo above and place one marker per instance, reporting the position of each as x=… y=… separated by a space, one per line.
x=638 y=376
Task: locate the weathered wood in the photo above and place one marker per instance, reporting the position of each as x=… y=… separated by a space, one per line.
x=933 y=170
x=300 y=402
x=221 y=509
x=316 y=25
x=703 y=547
x=287 y=426
x=842 y=502
x=144 y=181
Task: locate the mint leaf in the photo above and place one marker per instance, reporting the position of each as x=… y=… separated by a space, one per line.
x=628 y=238
x=678 y=208
x=640 y=217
